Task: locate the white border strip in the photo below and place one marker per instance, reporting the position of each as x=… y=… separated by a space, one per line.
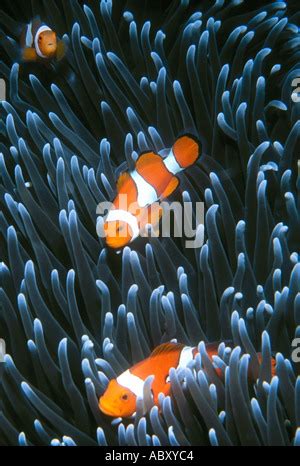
x=132 y=382
x=146 y=193
x=38 y=32
x=124 y=216
x=171 y=163
x=186 y=356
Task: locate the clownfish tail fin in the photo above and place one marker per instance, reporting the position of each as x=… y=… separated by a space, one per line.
x=186 y=149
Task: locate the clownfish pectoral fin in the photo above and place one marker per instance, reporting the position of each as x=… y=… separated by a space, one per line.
x=170 y=188
x=61 y=50
x=151 y=215
x=29 y=54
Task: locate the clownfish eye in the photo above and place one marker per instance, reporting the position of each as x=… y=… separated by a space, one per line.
x=125 y=397
x=40 y=38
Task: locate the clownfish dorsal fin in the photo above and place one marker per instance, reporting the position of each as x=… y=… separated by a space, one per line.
x=166 y=348
x=215 y=344
x=122 y=180
x=145 y=159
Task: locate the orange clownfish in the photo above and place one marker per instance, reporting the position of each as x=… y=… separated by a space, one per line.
x=152 y=180
x=39 y=42
x=119 y=398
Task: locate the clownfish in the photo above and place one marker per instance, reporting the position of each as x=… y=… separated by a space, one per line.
x=39 y=42
x=119 y=398
x=152 y=180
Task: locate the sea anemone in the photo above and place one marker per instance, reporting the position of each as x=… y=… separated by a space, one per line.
x=74 y=314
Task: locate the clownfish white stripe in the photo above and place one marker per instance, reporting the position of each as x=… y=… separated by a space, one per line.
x=132 y=382
x=38 y=32
x=124 y=216
x=29 y=36
x=186 y=356
x=146 y=193
x=171 y=163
